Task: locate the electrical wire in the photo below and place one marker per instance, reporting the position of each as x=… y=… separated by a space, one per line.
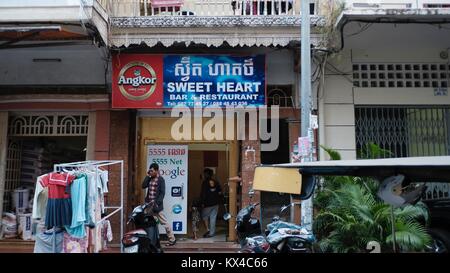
x=364 y=28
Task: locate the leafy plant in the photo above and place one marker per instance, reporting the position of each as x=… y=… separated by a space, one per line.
x=371 y=150
x=349 y=215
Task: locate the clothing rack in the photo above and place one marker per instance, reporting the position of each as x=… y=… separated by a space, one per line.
x=96 y=164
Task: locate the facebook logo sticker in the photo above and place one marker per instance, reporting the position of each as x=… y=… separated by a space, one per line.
x=176 y=191
x=177 y=226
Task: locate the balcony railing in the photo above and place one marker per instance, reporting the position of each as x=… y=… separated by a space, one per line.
x=437 y=191
x=135 y=8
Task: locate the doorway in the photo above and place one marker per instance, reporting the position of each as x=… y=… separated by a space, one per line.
x=215 y=157
x=30 y=157
x=271 y=202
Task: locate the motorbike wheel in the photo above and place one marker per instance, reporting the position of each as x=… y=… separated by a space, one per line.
x=440 y=241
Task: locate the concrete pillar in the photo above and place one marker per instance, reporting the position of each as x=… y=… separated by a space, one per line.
x=3 y=151
x=232 y=184
x=102 y=135
x=90 y=146
x=251 y=157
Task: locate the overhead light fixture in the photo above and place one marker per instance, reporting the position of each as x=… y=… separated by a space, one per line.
x=47 y=60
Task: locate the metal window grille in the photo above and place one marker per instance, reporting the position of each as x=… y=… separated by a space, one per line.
x=48 y=125
x=401 y=75
x=12 y=175
x=280 y=95
x=407 y=131
x=404 y=131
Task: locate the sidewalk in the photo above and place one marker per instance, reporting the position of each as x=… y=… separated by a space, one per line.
x=202 y=245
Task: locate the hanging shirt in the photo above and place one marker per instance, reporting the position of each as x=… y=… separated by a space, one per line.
x=104 y=176
x=59 y=205
x=91 y=199
x=100 y=191
x=78 y=197
x=40 y=199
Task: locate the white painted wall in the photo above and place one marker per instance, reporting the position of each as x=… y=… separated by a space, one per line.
x=379 y=43
x=80 y=65
x=44 y=10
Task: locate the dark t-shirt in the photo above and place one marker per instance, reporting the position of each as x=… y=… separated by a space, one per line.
x=211 y=196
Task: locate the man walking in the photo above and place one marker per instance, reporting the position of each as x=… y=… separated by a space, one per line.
x=155 y=195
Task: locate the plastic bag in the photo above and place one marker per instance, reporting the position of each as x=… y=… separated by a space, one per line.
x=9 y=225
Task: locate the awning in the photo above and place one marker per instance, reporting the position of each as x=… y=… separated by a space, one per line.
x=420 y=169
x=212 y=30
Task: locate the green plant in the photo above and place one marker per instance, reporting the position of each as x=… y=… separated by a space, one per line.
x=372 y=150
x=349 y=215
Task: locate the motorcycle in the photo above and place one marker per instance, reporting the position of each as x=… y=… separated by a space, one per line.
x=279 y=236
x=145 y=237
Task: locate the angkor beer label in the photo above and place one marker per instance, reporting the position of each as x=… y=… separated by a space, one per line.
x=137 y=81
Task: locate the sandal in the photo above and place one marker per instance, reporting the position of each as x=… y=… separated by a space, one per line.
x=171 y=243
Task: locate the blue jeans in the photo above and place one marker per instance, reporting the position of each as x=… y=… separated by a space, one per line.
x=211 y=213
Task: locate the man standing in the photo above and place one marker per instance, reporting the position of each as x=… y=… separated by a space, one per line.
x=155 y=195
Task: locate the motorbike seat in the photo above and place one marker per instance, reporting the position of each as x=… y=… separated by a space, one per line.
x=137 y=231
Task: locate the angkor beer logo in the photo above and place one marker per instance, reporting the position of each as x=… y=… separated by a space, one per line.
x=137 y=81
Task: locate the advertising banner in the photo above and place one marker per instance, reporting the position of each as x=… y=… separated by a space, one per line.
x=156 y=81
x=137 y=81
x=173 y=167
x=214 y=80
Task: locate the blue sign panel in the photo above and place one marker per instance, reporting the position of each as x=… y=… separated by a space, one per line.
x=176 y=191
x=214 y=80
x=177 y=208
x=177 y=226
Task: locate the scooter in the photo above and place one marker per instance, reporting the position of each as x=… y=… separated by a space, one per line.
x=248 y=229
x=145 y=237
x=279 y=236
x=286 y=237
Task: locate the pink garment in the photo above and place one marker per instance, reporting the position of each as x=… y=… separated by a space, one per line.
x=74 y=245
x=167 y=3
x=107 y=235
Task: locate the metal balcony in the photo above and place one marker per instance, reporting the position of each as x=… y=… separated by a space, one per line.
x=137 y=8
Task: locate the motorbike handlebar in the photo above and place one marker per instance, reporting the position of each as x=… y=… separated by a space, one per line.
x=283 y=208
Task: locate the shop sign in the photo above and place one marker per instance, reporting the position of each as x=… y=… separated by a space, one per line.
x=137 y=81
x=204 y=80
x=173 y=167
x=156 y=81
